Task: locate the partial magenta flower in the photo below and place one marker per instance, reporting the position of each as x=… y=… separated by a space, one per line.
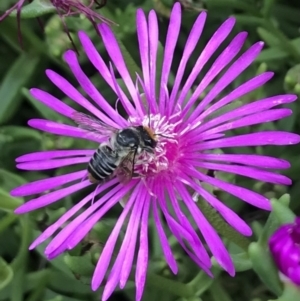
x=284 y=245
x=187 y=137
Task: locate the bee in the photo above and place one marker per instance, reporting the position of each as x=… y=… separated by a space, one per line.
x=117 y=156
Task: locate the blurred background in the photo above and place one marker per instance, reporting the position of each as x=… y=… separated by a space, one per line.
x=28 y=275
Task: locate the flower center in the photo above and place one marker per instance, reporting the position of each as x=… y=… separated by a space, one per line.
x=166 y=152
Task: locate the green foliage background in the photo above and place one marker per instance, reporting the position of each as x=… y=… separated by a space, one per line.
x=28 y=275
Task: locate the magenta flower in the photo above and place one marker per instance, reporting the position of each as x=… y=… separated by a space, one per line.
x=285 y=247
x=172 y=176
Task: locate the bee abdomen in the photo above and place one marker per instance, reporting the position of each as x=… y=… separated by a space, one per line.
x=103 y=163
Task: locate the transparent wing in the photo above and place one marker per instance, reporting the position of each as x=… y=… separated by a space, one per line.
x=92 y=124
x=125 y=169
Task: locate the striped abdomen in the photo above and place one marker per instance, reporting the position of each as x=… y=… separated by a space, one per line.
x=102 y=164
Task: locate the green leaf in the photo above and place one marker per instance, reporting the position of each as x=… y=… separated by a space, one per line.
x=13 y=81
x=80 y=265
x=6 y=273
x=268 y=37
x=290 y=292
x=7 y=202
x=241 y=262
x=282 y=212
x=273 y=222
x=35 y=9
x=264 y=266
x=9 y=180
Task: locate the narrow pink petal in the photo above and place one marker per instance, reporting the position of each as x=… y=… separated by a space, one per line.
x=231 y=74
x=121 y=95
x=47 y=184
x=46 y=155
x=116 y=56
x=50 y=164
x=257 y=118
x=96 y=59
x=171 y=40
x=81 y=232
x=51 y=197
x=221 y=62
x=144 y=198
x=64 y=130
x=189 y=47
x=253 y=139
x=112 y=118
x=248 y=109
x=107 y=251
x=240 y=91
x=246 y=159
x=171 y=261
x=77 y=223
x=185 y=223
x=219 y=36
x=143 y=254
x=142 y=34
x=153 y=46
x=128 y=246
x=254 y=173
x=183 y=238
x=73 y=93
x=52 y=102
x=242 y=193
x=210 y=235
x=230 y=216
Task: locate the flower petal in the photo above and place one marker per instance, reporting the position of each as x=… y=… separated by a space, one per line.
x=221 y=62
x=47 y=184
x=254 y=107
x=232 y=73
x=51 y=197
x=143 y=254
x=171 y=40
x=189 y=47
x=112 y=118
x=107 y=251
x=153 y=46
x=242 y=193
x=50 y=164
x=230 y=216
x=252 y=139
x=258 y=118
x=171 y=261
x=116 y=56
x=64 y=130
x=218 y=37
x=46 y=155
x=52 y=102
x=66 y=216
x=246 y=159
x=97 y=61
x=240 y=91
x=65 y=235
x=210 y=235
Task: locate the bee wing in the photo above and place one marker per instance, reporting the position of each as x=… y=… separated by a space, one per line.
x=125 y=169
x=93 y=124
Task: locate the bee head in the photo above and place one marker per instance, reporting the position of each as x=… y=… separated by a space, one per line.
x=148 y=138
